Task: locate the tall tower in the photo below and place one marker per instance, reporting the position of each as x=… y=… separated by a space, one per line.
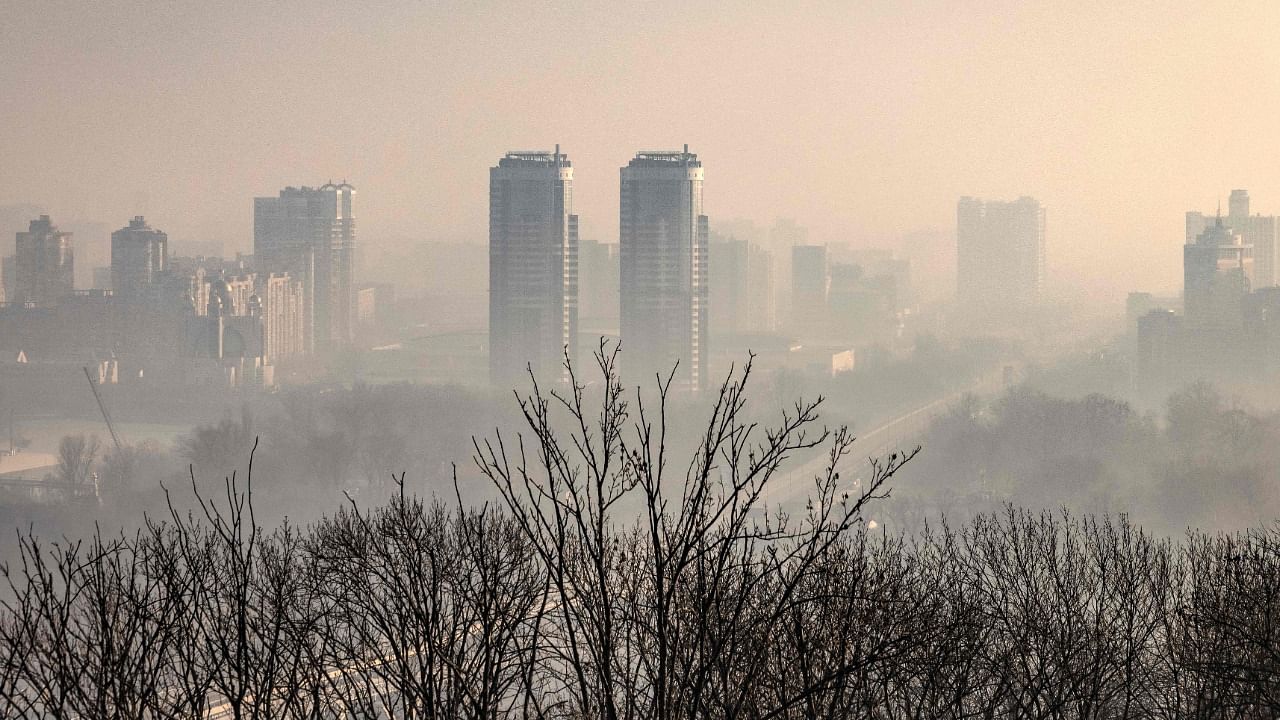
x=139 y=255
x=533 y=267
x=663 y=259
x=310 y=234
x=45 y=261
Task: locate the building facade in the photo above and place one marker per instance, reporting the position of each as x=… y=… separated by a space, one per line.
x=1000 y=253
x=139 y=257
x=663 y=283
x=533 y=267
x=310 y=234
x=45 y=264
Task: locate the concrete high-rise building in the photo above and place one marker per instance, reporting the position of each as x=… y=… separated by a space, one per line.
x=45 y=264
x=729 y=288
x=310 y=234
x=742 y=287
x=1217 y=274
x=663 y=260
x=1261 y=232
x=533 y=267
x=762 y=300
x=139 y=256
x=598 y=287
x=810 y=283
x=1000 y=252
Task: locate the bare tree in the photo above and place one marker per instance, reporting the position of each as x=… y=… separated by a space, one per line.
x=76 y=455
x=705 y=566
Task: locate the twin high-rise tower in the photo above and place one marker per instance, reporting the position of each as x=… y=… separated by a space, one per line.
x=663 y=256
x=533 y=267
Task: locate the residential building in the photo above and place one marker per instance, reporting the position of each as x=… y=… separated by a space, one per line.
x=139 y=256
x=1000 y=249
x=45 y=260
x=533 y=267
x=663 y=284
x=310 y=234
x=810 y=283
x=598 y=287
x=741 y=287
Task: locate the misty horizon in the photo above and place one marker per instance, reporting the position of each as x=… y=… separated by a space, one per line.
x=863 y=124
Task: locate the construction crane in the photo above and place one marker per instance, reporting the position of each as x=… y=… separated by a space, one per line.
x=93 y=385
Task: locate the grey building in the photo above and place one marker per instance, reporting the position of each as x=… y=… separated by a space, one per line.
x=742 y=287
x=598 y=287
x=663 y=261
x=45 y=260
x=1000 y=248
x=533 y=267
x=810 y=283
x=310 y=234
x=1261 y=232
x=139 y=256
x=1217 y=275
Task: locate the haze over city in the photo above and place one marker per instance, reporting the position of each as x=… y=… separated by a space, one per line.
x=410 y=359
x=864 y=121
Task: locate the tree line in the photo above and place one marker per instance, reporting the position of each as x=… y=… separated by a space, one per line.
x=1207 y=460
x=611 y=578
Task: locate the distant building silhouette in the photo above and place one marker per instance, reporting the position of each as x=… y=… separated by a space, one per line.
x=1227 y=331
x=1217 y=274
x=810 y=283
x=741 y=287
x=664 y=283
x=139 y=258
x=45 y=260
x=310 y=234
x=1000 y=256
x=533 y=266
x=1258 y=231
x=598 y=286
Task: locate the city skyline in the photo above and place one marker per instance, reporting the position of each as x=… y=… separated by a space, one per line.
x=874 y=139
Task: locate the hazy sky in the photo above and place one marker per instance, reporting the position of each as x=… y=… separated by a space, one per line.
x=862 y=120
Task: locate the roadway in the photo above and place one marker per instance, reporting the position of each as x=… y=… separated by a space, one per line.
x=792 y=488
